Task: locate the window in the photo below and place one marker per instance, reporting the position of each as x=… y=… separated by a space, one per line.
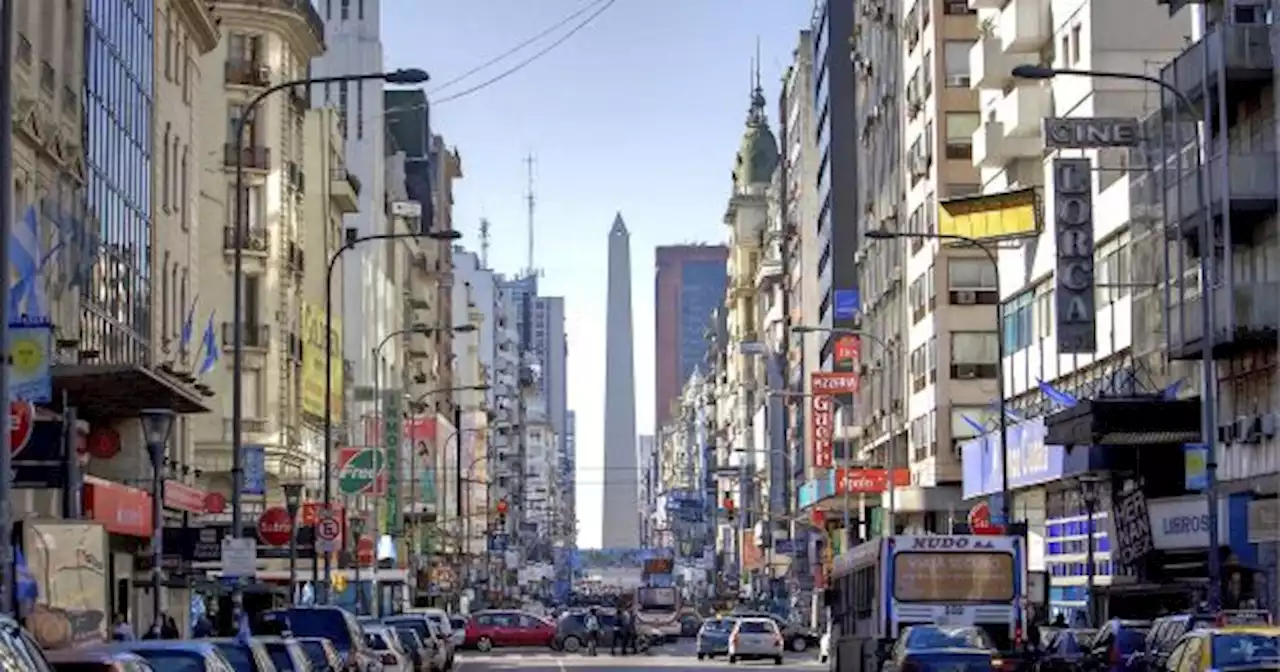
x=964 y=417
x=973 y=355
x=346 y=9
x=918 y=367
x=252 y=301
x=1042 y=311
x=956 y=55
x=1017 y=323
x=931 y=358
x=184 y=189
x=972 y=282
x=1113 y=269
x=342 y=103
x=234 y=113
x=960 y=129
x=164 y=169
x=244 y=48
x=1075 y=44
x=958 y=8
x=168 y=47
x=359 y=107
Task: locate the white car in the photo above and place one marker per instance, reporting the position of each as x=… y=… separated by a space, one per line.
x=754 y=639
x=386 y=647
x=432 y=623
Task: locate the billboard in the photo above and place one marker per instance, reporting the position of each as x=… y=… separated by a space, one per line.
x=1009 y=214
x=68 y=564
x=420 y=439
x=1075 y=313
x=313 y=363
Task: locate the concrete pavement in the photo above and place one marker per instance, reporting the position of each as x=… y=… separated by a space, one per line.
x=678 y=656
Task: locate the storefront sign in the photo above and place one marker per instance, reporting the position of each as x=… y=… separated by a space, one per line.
x=1031 y=462
x=815 y=490
x=1132 y=525
x=120 y=508
x=1264 y=521
x=847 y=352
x=869 y=481
x=1090 y=132
x=1073 y=232
x=179 y=496
x=824 y=415
x=1183 y=523
x=845 y=382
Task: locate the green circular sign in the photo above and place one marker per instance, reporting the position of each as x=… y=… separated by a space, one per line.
x=361 y=472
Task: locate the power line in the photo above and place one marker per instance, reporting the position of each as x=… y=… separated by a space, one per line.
x=502 y=56
x=531 y=59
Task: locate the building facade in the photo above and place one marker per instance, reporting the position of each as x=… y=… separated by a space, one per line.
x=688 y=286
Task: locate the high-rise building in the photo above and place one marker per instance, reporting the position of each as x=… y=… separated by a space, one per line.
x=621 y=527
x=647 y=460
x=688 y=287
x=540 y=322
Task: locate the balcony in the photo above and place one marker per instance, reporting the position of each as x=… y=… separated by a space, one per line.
x=1024 y=27
x=252 y=157
x=238 y=72
x=300 y=98
x=1239 y=57
x=344 y=190
x=255 y=336
x=989 y=66
x=1256 y=322
x=295 y=259
x=1248 y=202
x=296 y=10
x=993 y=148
x=1023 y=108
x=255 y=241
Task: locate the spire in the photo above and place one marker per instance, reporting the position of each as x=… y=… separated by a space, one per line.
x=619 y=227
x=756 y=115
x=758 y=154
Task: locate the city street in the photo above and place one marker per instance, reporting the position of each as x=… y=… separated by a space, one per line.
x=677 y=656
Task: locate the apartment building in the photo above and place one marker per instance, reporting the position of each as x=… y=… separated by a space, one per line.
x=263 y=43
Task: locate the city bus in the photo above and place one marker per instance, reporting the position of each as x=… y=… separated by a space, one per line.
x=884 y=585
x=658 y=611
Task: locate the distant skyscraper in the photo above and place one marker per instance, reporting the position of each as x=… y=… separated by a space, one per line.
x=621 y=478
x=688 y=287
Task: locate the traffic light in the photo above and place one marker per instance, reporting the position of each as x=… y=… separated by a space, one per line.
x=728 y=505
x=502 y=514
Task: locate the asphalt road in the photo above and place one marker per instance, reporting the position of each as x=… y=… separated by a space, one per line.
x=679 y=656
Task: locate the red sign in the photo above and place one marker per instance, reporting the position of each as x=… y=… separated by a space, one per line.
x=103 y=443
x=182 y=497
x=979 y=520
x=869 y=481
x=274 y=526
x=215 y=502
x=309 y=514
x=364 y=552
x=22 y=423
x=120 y=508
x=824 y=382
x=824 y=420
x=847 y=351
x=502 y=506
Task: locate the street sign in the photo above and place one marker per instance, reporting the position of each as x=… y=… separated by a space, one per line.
x=328 y=532
x=22 y=423
x=239 y=558
x=275 y=526
x=1091 y=132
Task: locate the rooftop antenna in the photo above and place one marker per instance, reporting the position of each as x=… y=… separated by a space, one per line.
x=484 y=242
x=530 y=202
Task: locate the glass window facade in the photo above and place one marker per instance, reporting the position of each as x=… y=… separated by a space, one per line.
x=118 y=97
x=702 y=285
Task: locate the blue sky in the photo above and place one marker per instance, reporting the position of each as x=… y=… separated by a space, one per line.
x=641 y=112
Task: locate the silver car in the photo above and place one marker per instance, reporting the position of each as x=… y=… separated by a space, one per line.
x=754 y=639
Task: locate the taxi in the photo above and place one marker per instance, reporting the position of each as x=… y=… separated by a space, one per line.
x=1231 y=647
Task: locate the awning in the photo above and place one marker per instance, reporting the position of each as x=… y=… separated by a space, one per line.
x=123 y=390
x=1132 y=421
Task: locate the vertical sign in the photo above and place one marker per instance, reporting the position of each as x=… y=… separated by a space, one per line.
x=1073 y=232
x=392 y=435
x=823 y=408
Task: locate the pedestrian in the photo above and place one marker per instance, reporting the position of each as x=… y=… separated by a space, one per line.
x=203 y=627
x=122 y=631
x=592 y=623
x=628 y=619
x=170 y=629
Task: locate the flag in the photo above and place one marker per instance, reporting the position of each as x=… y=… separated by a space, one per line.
x=26 y=296
x=188 y=326
x=27 y=588
x=1008 y=412
x=1057 y=396
x=210 y=347
x=1171 y=393
x=977 y=426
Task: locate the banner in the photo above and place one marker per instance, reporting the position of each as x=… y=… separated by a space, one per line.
x=823 y=410
x=844 y=382
x=420 y=437
x=846 y=352
x=313 y=364
x=392 y=435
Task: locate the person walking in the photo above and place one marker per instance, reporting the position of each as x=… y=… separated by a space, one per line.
x=122 y=631
x=170 y=629
x=628 y=620
x=592 y=623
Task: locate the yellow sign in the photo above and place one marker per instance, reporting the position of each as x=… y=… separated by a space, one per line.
x=1010 y=214
x=339 y=582
x=313 y=364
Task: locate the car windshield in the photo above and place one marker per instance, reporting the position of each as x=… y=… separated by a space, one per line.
x=717 y=624
x=376 y=641
x=280 y=657
x=1230 y=650
x=334 y=625
x=239 y=655
x=937 y=638
x=409 y=638
x=755 y=627
x=171 y=660
x=418 y=625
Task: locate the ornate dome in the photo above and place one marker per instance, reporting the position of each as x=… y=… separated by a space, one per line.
x=758 y=153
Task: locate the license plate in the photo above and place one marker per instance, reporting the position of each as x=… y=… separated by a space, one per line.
x=955 y=610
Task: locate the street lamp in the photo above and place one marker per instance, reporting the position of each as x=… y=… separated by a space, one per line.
x=157 y=426
x=353 y=239
x=1006 y=505
x=402 y=76
x=292 y=502
x=1208 y=299
x=357 y=529
x=1091 y=486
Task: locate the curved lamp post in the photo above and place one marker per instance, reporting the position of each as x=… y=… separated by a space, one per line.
x=157 y=427
x=292 y=503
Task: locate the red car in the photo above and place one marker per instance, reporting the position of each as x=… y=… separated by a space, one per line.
x=489 y=629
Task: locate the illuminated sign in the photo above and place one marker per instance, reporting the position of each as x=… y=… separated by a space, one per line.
x=953 y=577
x=1010 y=214
x=1073 y=231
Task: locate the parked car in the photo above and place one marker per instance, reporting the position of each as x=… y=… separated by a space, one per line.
x=286 y=654
x=571 y=630
x=427 y=654
x=386 y=645
x=797 y=637
x=244 y=656
x=1118 y=646
x=754 y=639
x=335 y=624
x=931 y=647
x=1229 y=648
x=1064 y=651
x=324 y=658
x=175 y=654
x=432 y=625
x=94 y=659
x=489 y=629
x=458 y=626
x=713 y=637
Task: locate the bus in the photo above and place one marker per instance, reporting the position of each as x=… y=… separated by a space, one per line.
x=658 y=611
x=884 y=585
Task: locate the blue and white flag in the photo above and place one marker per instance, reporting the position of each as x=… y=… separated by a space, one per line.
x=188 y=327
x=27 y=296
x=977 y=426
x=1057 y=396
x=1008 y=412
x=210 y=347
x=1171 y=393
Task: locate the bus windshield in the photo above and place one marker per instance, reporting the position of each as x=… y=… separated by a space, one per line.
x=656 y=599
x=942 y=577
